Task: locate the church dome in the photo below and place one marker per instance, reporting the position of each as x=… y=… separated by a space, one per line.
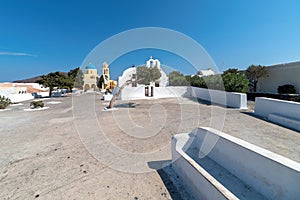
x=90 y=67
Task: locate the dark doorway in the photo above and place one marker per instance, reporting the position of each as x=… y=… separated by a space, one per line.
x=146 y=91
x=152 y=90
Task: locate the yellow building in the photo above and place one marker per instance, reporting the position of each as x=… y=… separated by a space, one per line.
x=90 y=78
x=107 y=84
x=105 y=74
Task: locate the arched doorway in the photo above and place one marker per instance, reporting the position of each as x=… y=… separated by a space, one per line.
x=94 y=87
x=86 y=87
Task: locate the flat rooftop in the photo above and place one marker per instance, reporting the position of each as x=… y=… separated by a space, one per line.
x=57 y=154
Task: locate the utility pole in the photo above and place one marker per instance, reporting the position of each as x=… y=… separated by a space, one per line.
x=222 y=66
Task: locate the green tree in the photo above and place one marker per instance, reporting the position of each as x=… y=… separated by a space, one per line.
x=143 y=75
x=231 y=80
x=4 y=102
x=235 y=82
x=177 y=79
x=55 y=79
x=230 y=71
x=76 y=76
x=197 y=81
x=214 y=82
x=67 y=83
x=254 y=73
x=146 y=75
x=154 y=74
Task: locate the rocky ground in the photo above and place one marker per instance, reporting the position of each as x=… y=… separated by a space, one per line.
x=76 y=150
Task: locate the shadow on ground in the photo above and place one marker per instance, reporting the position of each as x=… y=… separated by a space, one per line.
x=125 y=105
x=173 y=183
x=252 y=114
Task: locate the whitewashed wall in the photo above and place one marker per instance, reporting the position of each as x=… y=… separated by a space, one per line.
x=159 y=92
x=230 y=99
x=280 y=74
x=15 y=98
x=265 y=106
x=285 y=113
x=127 y=75
x=270 y=174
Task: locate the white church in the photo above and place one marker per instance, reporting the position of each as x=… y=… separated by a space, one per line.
x=130 y=74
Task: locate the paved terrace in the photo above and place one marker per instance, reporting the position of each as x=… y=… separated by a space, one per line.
x=42 y=155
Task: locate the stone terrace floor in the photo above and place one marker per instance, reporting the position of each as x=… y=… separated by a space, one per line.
x=44 y=155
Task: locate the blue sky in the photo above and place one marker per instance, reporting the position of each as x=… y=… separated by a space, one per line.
x=37 y=37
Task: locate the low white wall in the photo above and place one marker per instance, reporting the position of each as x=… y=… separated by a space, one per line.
x=286 y=113
x=230 y=99
x=265 y=106
x=15 y=98
x=129 y=93
x=270 y=174
x=285 y=121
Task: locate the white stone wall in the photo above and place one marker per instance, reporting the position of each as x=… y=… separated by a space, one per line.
x=265 y=106
x=15 y=98
x=230 y=99
x=280 y=75
x=270 y=174
x=285 y=113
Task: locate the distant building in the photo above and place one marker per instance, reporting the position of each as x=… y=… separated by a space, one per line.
x=90 y=78
x=204 y=72
x=207 y=72
x=18 y=92
x=280 y=74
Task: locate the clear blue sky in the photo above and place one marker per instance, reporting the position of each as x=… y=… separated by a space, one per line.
x=37 y=37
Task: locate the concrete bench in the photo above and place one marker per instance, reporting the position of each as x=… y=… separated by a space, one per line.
x=285 y=121
x=215 y=165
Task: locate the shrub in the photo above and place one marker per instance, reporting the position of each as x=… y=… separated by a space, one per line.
x=4 y=102
x=214 y=82
x=235 y=82
x=197 y=81
x=231 y=81
x=286 y=89
x=177 y=79
x=37 y=104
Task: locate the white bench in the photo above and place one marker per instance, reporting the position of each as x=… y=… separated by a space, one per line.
x=288 y=122
x=232 y=168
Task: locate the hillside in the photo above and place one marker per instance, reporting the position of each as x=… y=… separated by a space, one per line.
x=28 y=80
x=33 y=79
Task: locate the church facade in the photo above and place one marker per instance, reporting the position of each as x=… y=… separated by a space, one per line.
x=90 y=78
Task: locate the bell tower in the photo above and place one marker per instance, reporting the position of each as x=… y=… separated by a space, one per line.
x=105 y=72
